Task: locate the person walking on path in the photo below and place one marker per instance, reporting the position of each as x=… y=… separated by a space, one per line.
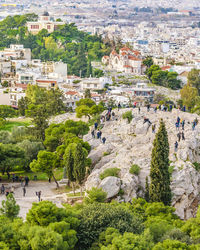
x=24 y=191
x=119 y=106
x=179 y=136
x=38 y=195
x=183 y=136
x=26 y=180
x=176 y=146
x=2 y=189
x=139 y=110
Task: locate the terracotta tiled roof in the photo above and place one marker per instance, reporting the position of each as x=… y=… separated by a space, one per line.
x=166 y=67
x=133 y=58
x=20 y=85
x=71 y=93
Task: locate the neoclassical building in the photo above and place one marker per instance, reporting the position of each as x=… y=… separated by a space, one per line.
x=44 y=22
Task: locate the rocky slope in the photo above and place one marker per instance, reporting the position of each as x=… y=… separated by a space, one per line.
x=129 y=144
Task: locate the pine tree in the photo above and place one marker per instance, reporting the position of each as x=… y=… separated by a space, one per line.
x=146 y=195
x=9 y=207
x=160 y=179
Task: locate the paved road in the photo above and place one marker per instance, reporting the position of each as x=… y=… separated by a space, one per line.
x=47 y=193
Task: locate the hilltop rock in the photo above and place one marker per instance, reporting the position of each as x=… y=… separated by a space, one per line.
x=128 y=144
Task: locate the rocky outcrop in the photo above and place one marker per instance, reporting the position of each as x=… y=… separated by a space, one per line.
x=128 y=144
x=111 y=185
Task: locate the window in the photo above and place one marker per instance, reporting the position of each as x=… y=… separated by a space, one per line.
x=34 y=27
x=48 y=27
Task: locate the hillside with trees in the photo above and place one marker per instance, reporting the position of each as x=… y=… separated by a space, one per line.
x=67 y=43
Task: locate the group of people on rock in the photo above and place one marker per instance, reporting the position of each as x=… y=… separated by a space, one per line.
x=97 y=134
x=180 y=123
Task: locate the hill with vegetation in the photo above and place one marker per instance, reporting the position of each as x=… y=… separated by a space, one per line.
x=67 y=43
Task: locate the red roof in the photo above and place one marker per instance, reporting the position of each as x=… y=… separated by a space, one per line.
x=137 y=53
x=114 y=52
x=72 y=77
x=71 y=93
x=95 y=95
x=166 y=67
x=133 y=58
x=46 y=81
x=127 y=66
x=105 y=56
x=20 y=85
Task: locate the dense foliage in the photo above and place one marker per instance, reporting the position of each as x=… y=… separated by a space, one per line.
x=163 y=78
x=97 y=226
x=67 y=43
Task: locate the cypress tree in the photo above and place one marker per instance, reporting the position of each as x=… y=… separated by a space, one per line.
x=79 y=169
x=89 y=69
x=69 y=163
x=146 y=195
x=159 y=190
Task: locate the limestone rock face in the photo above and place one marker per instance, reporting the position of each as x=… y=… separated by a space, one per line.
x=128 y=144
x=111 y=185
x=185 y=188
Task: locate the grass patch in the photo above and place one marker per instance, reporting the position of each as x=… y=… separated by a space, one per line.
x=75 y=195
x=9 y=125
x=135 y=169
x=106 y=153
x=109 y=172
x=40 y=175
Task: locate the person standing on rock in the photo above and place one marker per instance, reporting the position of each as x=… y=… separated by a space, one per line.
x=178 y=120
x=183 y=136
x=183 y=124
x=95 y=125
x=93 y=135
x=103 y=140
x=24 y=191
x=176 y=146
x=119 y=106
x=179 y=136
x=177 y=126
x=153 y=128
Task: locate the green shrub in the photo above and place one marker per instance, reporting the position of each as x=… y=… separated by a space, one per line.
x=109 y=172
x=171 y=169
x=196 y=166
x=95 y=195
x=106 y=153
x=128 y=115
x=135 y=169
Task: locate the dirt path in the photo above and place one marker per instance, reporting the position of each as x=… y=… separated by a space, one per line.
x=47 y=193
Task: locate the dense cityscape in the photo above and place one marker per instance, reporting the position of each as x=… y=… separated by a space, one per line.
x=99 y=124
